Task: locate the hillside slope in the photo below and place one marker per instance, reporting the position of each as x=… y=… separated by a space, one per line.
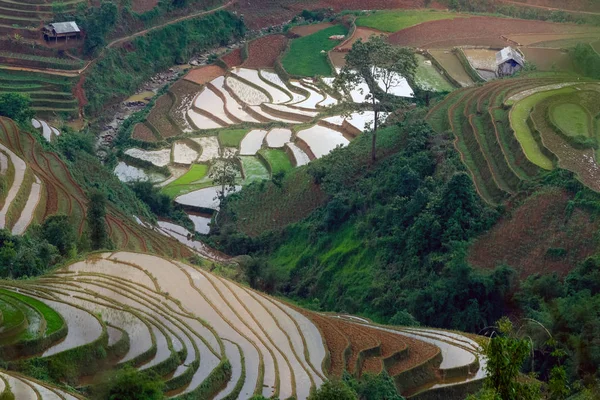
x=209 y=337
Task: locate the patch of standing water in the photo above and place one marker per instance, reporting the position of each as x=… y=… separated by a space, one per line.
x=201 y=223
x=322 y=140
x=160 y=158
x=128 y=173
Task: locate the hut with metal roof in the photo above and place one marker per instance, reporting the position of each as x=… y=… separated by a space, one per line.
x=61 y=30
x=509 y=61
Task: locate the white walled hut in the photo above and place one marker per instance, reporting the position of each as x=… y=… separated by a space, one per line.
x=61 y=30
x=509 y=61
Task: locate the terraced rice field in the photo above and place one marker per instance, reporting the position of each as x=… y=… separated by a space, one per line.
x=429 y=78
x=50 y=94
x=452 y=66
x=504 y=135
x=241 y=113
x=209 y=337
x=42 y=185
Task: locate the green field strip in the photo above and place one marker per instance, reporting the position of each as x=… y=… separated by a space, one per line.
x=484 y=133
x=438 y=115
x=16 y=207
x=518 y=119
x=572 y=119
x=231 y=137
x=429 y=78
x=196 y=178
x=493 y=152
x=277 y=160
x=393 y=21
x=253 y=169
x=53 y=319
x=13 y=322
x=304 y=56
x=471 y=154
x=7 y=18
x=35 y=326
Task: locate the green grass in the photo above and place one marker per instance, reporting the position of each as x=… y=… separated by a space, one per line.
x=254 y=169
x=518 y=120
x=393 y=21
x=192 y=180
x=53 y=319
x=428 y=77
x=12 y=316
x=231 y=137
x=278 y=160
x=572 y=119
x=304 y=58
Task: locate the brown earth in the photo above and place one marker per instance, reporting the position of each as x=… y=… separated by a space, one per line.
x=305 y=30
x=522 y=239
x=233 y=58
x=338 y=58
x=549 y=59
x=204 y=74
x=476 y=30
x=359 y=33
x=264 y=13
x=143 y=133
x=141 y=6
x=263 y=52
x=567 y=5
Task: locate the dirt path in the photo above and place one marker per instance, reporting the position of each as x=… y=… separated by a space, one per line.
x=73 y=73
x=516 y=3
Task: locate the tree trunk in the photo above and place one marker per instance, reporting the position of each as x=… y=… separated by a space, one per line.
x=374 y=137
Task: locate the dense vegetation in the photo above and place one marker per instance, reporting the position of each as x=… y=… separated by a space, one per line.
x=391 y=239
x=155 y=52
x=390 y=243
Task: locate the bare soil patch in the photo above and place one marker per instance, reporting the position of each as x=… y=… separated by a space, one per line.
x=263 y=52
x=233 y=58
x=143 y=133
x=359 y=33
x=305 y=30
x=543 y=39
x=265 y=13
x=566 y=239
x=476 y=31
x=338 y=58
x=204 y=74
x=549 y=59
x=570 y=5
x=158 y=117
x=140 y=6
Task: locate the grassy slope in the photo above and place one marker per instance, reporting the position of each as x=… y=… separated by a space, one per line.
x=518 y=120
x=304 y=56
x=572 y=119
x=393 y=21
x=278 y=160
x=53 y=320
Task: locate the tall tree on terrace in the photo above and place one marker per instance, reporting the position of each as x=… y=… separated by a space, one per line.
x=224 y=174
x=382 y=67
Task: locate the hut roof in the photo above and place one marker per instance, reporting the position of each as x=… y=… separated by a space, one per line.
x=65 y=27
x=508 y=53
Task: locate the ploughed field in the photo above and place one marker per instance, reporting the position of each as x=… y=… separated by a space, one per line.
x=207 y=336
x=509 y=131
